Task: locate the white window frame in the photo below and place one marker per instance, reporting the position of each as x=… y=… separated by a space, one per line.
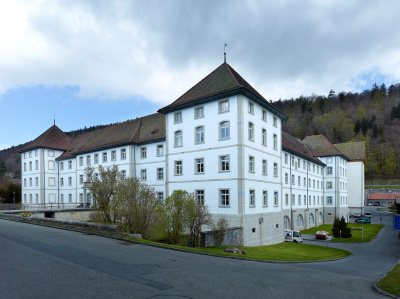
x=265 y=198
x=178 y=167
x=224 y=130
x=178 y=117
x=199 y=134
x=160 y=173
x=105 y=157
x=276 y=198
x=199 y=166
x=275 y=169
x=251 y=164
x=264 y=167
x=113 y=155
x=252 y=198
x=199 y=112
x=224 y=163
x=143 y=152
x=223 y=106
x=275 y=142
x=178 y=138
x=224 y=197
x=143 y=174
x=264 y=137
x=200 y=196
x=251 y=131
x=160 y=150
x=123 y=153
x=264 y=115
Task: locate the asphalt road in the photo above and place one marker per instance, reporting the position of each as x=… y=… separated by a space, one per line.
x=41 y=262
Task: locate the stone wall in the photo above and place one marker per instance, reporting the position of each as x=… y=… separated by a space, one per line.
x=233 y=237
x=74 y=215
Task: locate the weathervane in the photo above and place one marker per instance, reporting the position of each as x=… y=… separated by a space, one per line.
x=225 y=52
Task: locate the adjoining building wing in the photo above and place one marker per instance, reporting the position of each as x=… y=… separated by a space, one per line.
x=355 y=151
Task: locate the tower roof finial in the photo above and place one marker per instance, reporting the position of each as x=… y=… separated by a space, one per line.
x=225 y=52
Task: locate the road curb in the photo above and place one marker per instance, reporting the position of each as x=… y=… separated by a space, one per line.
x=382 y=292
x=19 y=219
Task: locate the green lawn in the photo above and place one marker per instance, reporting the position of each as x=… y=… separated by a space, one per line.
x=390 y=283
x=278 y=252
x=370 y=231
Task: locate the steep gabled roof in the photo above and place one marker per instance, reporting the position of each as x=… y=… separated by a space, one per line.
x=296 y=147
x=53 y=138
x=354 y=150
x=222 y=82
x=141 y=130
x=321 y=147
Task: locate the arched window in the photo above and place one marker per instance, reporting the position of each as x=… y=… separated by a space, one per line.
x=299 y=220
x=286 y=222
x=311 y=218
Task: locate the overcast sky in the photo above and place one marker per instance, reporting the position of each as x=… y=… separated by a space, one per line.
x=96 y=62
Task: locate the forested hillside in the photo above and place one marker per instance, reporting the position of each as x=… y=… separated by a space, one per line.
x=372 y=116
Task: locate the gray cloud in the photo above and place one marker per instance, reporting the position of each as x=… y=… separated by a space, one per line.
x=159 y=49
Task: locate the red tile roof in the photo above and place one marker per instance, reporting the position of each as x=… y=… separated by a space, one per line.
x=321 y=147
x=222 y=80
x=295 y=146
x=383 y=196
x=53 y=138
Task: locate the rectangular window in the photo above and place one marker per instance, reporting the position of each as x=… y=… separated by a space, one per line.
x=313 y=184
x=178 y=167
x=143 y=174
x=104 y=157
x=62 y=166
x=80 y=161
x=30 y=154
x=143 y=153
x=51 y=153
x=276 y=202
x=61 y=182
x=223 y=106
x=199 y=112
x=251 y=108
x=178 y=138
x=160 y=150
x=123 y=174
x=70 y=198
x=265 y=198
x=328 y=185
x=275 y=122
x=329 y=170
x=36 y=153
x=264 y=167
x=70 y=181
x=30 y=182
x=329 y=200
x=251 y=198
x=160 y=196
x=160 y=173
x=264 y=137
x=224 y=197
x=304 y=182
x=314 y=200
x=200 y=134
x=200 y=196
x=224 y=130
x=88 y=160
x=286 y=178
x=275 y=169
x=287 y=199
x=264 y=115
x=80 y=197
x=36 y=164
x=224 y=162
x=251 y=164
x=299 y=200
x=30 y=166
x=62 y=198
x=293 y=199
x=251 y=131
x=304 y=165
x=305 y=200
x=199 y=165
x=37 y=181
x=81 y=179
x=286 y=158
x=178 y=117
x=123 y=154
x=113 y=155
x=275 y=142
x=96 y=158
x=292 y=179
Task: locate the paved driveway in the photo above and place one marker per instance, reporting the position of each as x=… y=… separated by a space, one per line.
x=41 y=262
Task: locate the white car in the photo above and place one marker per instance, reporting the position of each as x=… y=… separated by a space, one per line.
x=368 y=214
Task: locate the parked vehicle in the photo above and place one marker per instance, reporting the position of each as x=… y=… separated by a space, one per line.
x=368 y=214
x=322 y=235
x=383 y=205
x=376 y=203
x=357 y=215
x=363 y=220
x=369 y=204
x=293 y=236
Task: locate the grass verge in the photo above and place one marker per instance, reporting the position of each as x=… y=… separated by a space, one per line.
x=370 y=231
x=287 y=252
x=390 y=283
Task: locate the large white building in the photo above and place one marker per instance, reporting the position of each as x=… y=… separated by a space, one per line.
x=221 y=140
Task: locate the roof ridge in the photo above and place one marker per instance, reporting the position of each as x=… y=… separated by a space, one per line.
x=233 y=76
